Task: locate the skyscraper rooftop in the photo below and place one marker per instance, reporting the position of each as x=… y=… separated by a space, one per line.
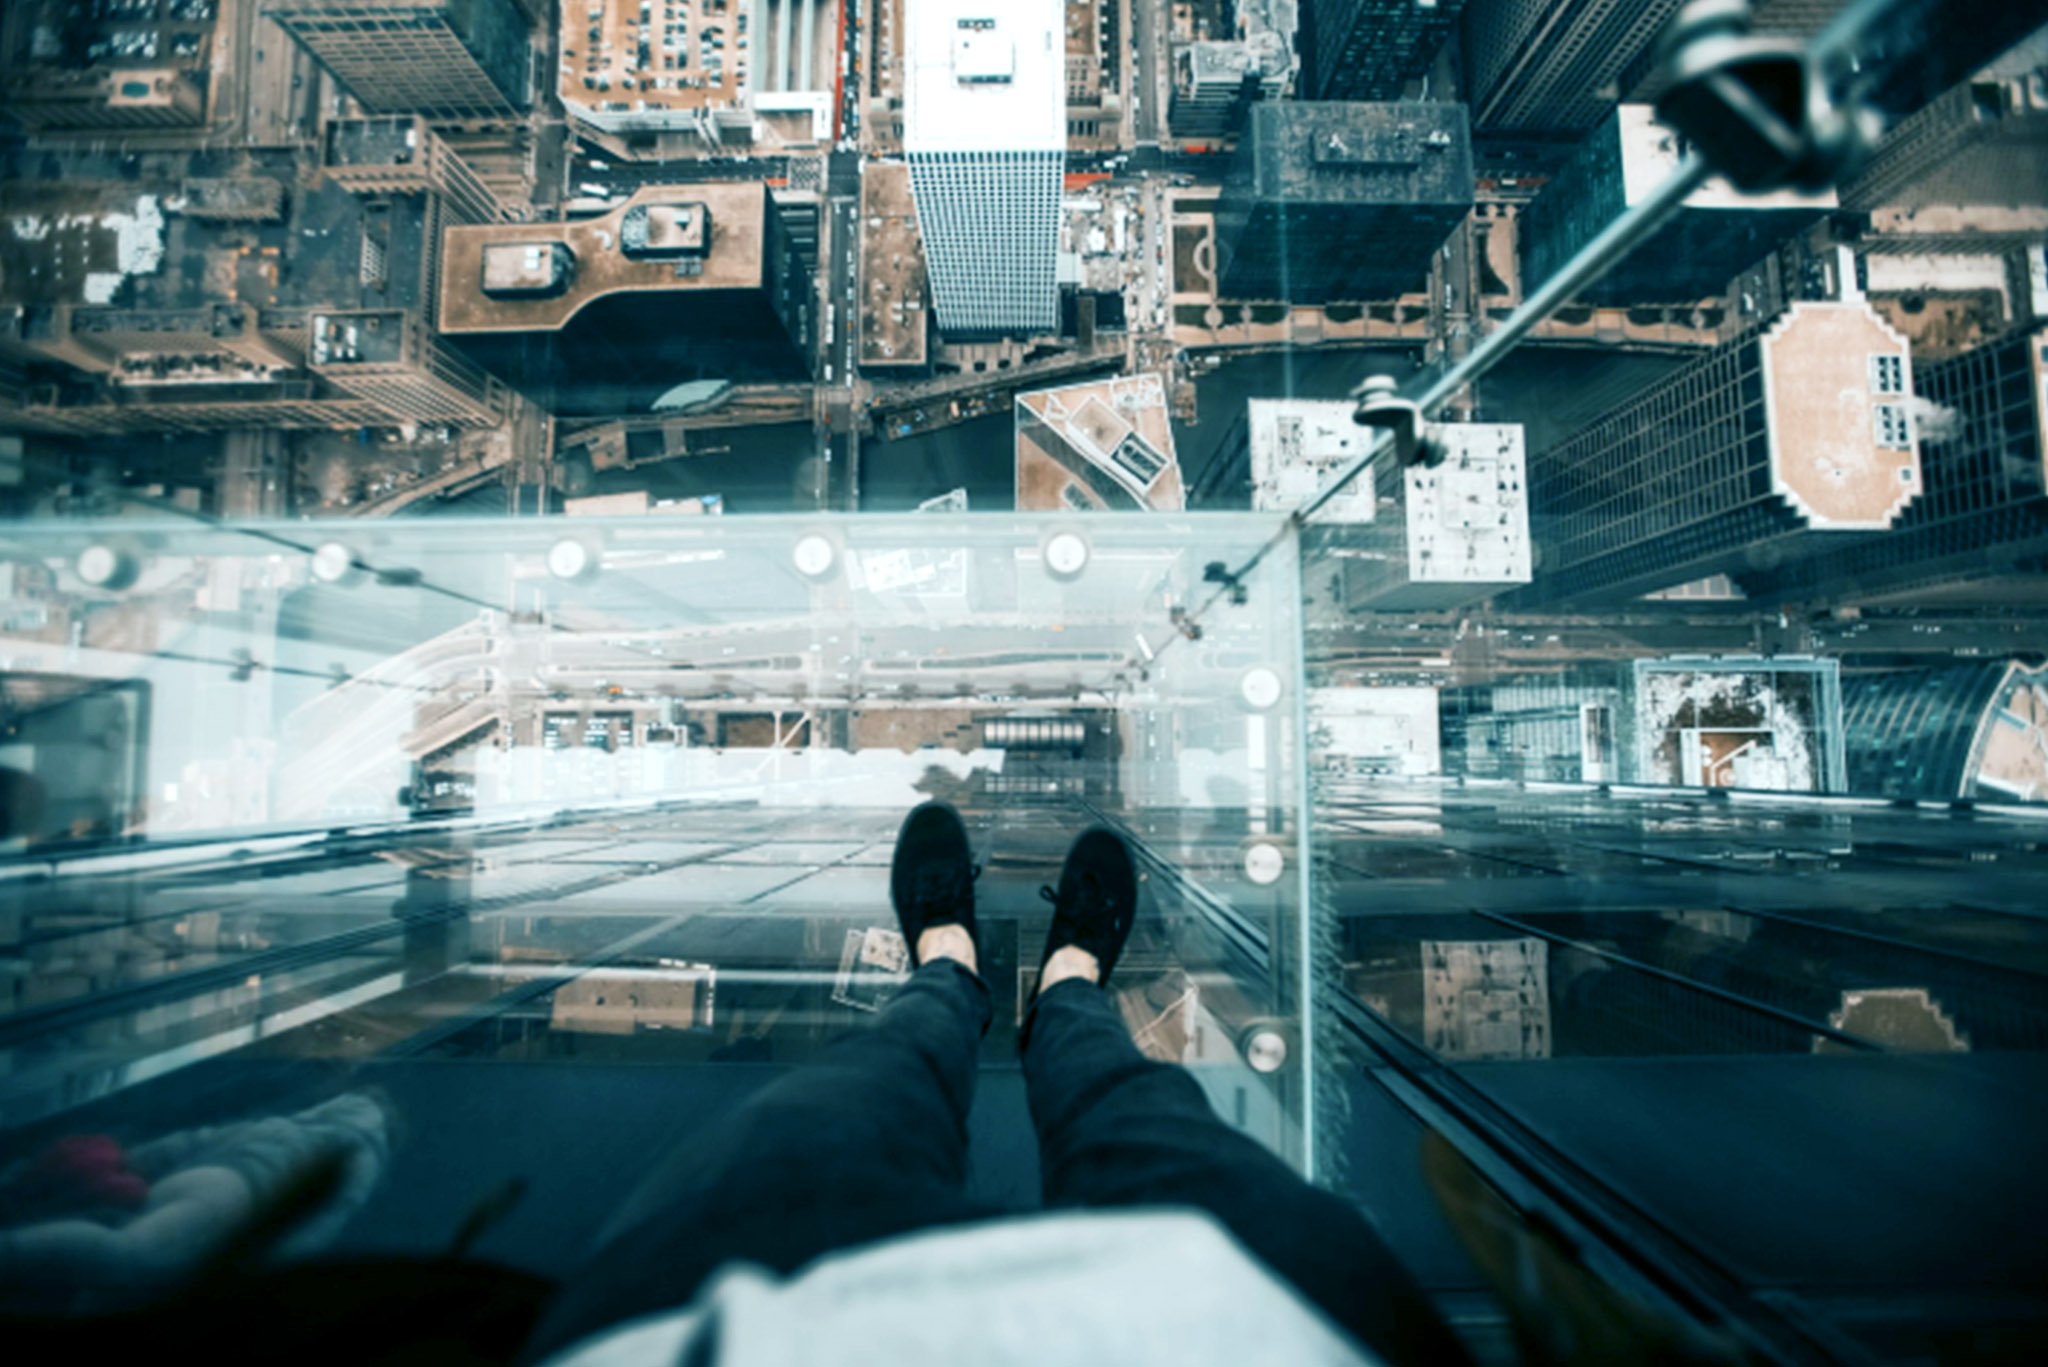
x=985 y=132
x=984 y=74
x=724 y=251
x=1771 y=447
x=607 y=314
x=1103 y=444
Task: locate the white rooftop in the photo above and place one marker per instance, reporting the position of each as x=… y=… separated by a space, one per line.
x=1297 y=445
x=985 y=75
x=1468 y=518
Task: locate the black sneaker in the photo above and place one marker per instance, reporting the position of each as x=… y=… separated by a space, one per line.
x=1097 y=899
x=931 y=879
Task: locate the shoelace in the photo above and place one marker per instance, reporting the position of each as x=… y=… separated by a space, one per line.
x=1091 y=892
x=939 y=887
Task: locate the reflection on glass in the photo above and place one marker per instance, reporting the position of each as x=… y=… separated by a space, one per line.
x=503 y=517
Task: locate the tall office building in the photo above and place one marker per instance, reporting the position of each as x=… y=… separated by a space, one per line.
x=1286 y=450
x=1422 y=538
x=1554 y=64
x=1973 y=729
x=1457 y=532
x=603 y=316
x=984 y=129
x=1371 y=49
x=107 y=98
x=1330 y=202
x=1717 y=234
x=392 y=358
x=1215 y=83
x=1984 y=142
x=446 y=59
x=66 y=65
x=1215 y=80
x=1784 y=442
x=1978 y=532
x=1966 y=173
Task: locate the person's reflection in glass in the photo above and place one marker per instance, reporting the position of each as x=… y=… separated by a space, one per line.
x=112 y=1227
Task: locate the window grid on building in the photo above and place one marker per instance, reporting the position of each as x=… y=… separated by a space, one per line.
x=1894 y=431
x=398 y=59
x=990 y=222
x=1546 y=63
x=1663 y=485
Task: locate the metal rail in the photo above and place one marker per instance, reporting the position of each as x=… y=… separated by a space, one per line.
x=1834 y=48
x=1592 y=261
x=1621 y=1243
x=1721 y=994
x=71 y=1013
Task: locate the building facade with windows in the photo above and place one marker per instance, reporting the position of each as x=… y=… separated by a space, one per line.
x=985 y=134
x=1371 y=49
x=1796 y=438
x=449 y=60
x=1341 y=202
x=1978 y=533
x=1968 y=730
x=1978 y=144
x=400 y=154
x=393 y=359
x=1554 y=65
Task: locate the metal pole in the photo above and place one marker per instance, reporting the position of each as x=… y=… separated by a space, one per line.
x=1615 y=241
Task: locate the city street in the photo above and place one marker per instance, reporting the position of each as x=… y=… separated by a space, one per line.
x=841 y=248
x=1151 y=73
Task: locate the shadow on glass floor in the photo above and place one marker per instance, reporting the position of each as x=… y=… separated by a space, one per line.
x=1788 y=1048
x=541 y=1015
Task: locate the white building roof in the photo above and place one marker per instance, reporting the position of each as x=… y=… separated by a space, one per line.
x=1465 y=521
x=1468 y=518
x=985 y=75
x=1298 y=445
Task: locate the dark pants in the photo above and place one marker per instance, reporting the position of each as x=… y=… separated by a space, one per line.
x=870 y=1140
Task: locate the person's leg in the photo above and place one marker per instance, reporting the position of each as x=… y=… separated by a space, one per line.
x=866 y=1141
x=1118 y=1129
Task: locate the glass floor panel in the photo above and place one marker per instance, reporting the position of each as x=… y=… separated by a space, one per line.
x=502 y=825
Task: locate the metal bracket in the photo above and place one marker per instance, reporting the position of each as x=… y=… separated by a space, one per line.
x=1414 y=437
x=1218 y=572
x=1758 y=108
